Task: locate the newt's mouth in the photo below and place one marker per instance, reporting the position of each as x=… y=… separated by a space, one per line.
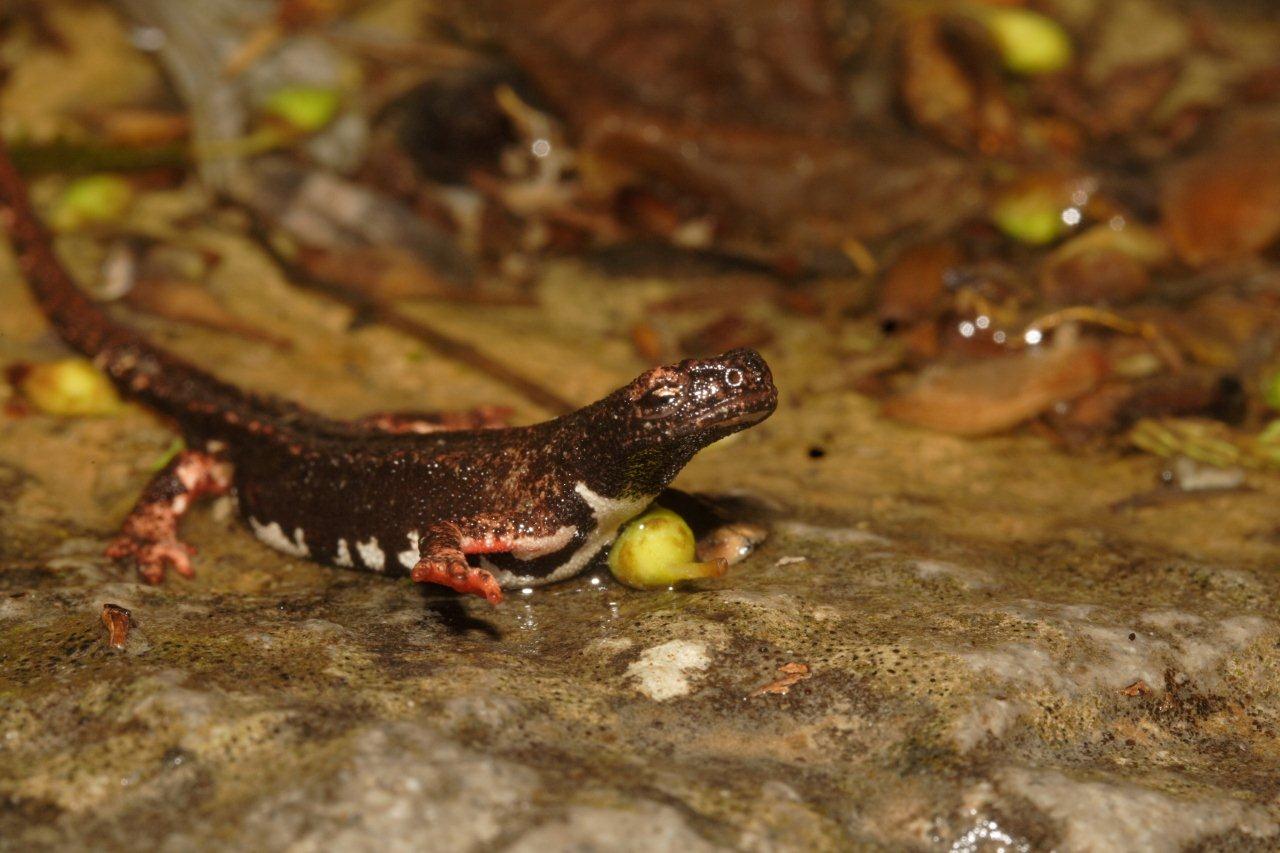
x=737 y=414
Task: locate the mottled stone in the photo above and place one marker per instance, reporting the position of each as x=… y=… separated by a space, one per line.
x=995 y=655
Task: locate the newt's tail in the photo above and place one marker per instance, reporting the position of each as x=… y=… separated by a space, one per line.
x=156 y=377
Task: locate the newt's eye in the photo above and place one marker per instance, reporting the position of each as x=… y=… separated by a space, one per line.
x=658 y=401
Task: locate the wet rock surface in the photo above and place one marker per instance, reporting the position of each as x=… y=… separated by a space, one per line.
x=999 y=648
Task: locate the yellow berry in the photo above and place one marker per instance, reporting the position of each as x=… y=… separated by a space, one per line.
x=657 y=550
x=1030 y=43
x=305 y=108
x=95 y=198
x=71 y=387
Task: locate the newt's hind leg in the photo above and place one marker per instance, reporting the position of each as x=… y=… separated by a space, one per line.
x=150 y=534
x=442 y=561
x=481 y=417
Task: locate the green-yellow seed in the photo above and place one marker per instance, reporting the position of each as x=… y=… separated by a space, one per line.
x=95 y=198
x=656 y=550
x=305 y=108
x=1030 y=215
x=72 y=387
x=1030 y=43
x=1271 y=389
x=1270 y=433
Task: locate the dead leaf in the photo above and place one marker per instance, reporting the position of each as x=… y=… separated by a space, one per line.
x=118 y=621
x=983 y=397
x=1138 y=688
x=789 y=674
x=1224 y=204
x=189 y=302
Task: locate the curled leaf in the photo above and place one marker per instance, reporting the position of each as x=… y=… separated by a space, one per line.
x=984 y=397
x=1224 y=204
x=118 y=621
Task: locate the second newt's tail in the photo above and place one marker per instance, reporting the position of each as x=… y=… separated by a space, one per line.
x=138 y=368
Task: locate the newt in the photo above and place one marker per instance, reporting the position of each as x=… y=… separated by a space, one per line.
x=457 y=499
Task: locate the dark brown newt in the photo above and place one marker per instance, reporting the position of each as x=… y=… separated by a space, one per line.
x=396 y=493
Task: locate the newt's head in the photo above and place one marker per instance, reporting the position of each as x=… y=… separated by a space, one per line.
x=639 y=437
x=699 y=401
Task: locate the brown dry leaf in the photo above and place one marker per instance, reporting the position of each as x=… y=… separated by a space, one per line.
x=1129 y=95
x=948 y=84
x=789 y=674
x=753 y=141
x=1103 y=265
x=118 y=621
x=1224 y=204
x=781 y=198
x=731 y=543
x=1217 y=330
x=913 y=286
x=983 y=397
x=382 y=273
x=1138 y=688
x=772 y=65
x=648 y=342
x=1098 y=275
x=189 y=302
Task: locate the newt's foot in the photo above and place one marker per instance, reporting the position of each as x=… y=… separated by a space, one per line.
x=153 y=557
x=458 y=575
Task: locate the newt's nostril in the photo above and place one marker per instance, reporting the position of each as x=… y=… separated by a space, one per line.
x=733 y=377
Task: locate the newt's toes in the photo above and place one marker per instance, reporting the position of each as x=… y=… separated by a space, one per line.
x=459 y=577
x=153 y=558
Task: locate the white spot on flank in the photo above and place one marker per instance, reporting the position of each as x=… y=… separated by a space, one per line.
x=273 y=535
x=371 y=555
x=410 y=558
x=343 y=557
x=662 y=672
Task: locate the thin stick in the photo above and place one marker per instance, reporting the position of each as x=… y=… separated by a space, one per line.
x=442 y=343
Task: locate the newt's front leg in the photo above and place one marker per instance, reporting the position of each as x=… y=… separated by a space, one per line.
x=443 y=561
x=150 y=533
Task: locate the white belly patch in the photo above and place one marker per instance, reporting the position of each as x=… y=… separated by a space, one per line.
x=528 y=548
x=609 y=514
x=533 y=547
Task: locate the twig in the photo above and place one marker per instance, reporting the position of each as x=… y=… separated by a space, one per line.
x=1148 y=331
x=442 y=343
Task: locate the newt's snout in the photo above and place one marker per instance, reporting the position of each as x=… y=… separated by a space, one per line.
x=744 y=379
x=714 y=397
x=747 y=370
